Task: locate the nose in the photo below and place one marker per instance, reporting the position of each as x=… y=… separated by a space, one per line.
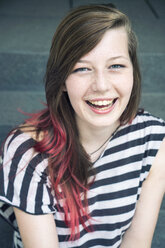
x=101 y=82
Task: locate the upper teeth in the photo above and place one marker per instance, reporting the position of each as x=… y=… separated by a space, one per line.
x=101 y=103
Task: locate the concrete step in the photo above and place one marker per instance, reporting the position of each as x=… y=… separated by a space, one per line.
x=12 y=101
x=31 y=101
x=25 y=71
x=154 y=103
x=34 y=8
x=22 y=72
x=29 y=25
x=6 y=234
x=26 y=101
x=159 y=237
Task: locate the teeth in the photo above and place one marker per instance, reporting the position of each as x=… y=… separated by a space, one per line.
x=102 y=103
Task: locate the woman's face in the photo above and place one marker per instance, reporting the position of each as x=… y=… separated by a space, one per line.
x=101 y=82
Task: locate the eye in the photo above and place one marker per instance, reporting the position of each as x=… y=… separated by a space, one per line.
x=116 y=66
x=81 y=69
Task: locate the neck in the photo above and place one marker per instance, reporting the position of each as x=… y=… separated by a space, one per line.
x=92 y=138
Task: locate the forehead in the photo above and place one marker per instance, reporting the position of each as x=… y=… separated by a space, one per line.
x=113 y=43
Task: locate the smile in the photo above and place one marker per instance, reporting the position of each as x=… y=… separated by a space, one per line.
x=101 y=106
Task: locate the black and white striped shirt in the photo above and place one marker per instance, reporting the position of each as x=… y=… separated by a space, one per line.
x=120 y=172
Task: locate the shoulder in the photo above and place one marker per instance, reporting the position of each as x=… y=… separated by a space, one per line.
x=24 y=137
x=19 y=149
x=148 y=119
x=17 y=142
x=143 y=126
x=145 y=130
x=149 y=124
x=24 y=176
x=31 y=132
x=149 y=130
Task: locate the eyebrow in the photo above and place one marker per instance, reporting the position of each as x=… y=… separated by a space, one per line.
x=111 y=58
x=118 y=57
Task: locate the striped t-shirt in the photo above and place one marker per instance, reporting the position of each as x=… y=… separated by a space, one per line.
x=120 y=172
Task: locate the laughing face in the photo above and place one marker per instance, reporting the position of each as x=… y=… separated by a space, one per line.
x=101 y=82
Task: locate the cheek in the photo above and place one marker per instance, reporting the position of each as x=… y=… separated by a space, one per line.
x=76 y=87
x=125 y=86
x=74 y=91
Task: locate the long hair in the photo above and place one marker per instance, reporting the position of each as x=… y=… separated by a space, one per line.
x=69 y=165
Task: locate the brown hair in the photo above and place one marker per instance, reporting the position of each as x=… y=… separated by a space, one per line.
x=79 y=32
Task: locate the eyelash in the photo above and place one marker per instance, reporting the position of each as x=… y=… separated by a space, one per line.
x=84 y=69
x=117 y=66
x=81 y=69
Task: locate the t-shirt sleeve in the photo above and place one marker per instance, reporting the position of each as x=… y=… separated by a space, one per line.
x=154 y=133
x=24 y=182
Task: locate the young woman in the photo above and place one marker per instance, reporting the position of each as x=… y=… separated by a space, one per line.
x=73 y=175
